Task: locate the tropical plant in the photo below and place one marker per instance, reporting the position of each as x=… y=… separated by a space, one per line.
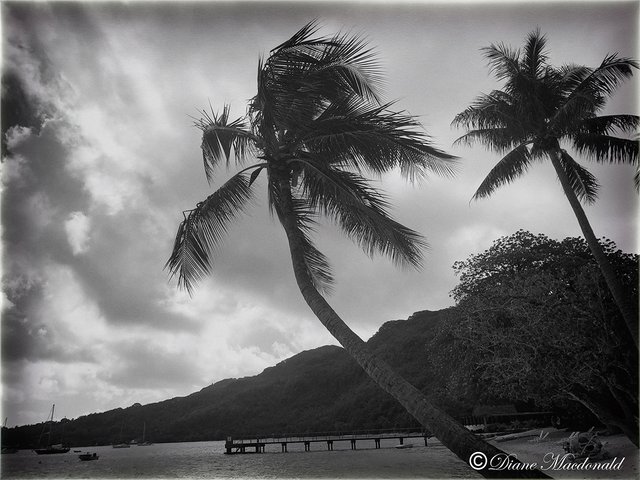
x=509 y=302
x=541 y=106
x=317 y=125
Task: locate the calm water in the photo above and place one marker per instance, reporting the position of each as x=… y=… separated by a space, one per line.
x=206 y=460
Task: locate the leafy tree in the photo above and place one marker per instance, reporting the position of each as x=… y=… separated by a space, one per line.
x=316 y=124
x=537 y=323
x=541 y=106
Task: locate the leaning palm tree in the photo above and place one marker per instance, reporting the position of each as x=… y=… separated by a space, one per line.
x=541 y=106
x=315 y=127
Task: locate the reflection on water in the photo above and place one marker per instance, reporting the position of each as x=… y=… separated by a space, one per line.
x=206 y=460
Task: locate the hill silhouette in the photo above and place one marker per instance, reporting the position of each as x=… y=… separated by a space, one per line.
x=314 y=391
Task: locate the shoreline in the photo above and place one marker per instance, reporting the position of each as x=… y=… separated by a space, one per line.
x=531 y=447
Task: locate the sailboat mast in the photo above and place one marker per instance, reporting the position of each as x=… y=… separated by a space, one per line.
x=46 y=427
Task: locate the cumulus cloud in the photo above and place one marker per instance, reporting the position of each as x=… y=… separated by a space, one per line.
x=77 y=227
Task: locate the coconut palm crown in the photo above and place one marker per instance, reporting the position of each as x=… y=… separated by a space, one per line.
x=315 y=126
x=542 y=107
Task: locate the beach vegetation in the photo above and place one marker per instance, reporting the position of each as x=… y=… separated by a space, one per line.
x=537 y=323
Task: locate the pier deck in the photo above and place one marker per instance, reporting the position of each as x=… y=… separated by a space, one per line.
x=258 y=444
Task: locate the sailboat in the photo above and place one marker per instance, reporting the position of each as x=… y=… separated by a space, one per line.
x=46 y=430
x=121 y=444
x=144 y=443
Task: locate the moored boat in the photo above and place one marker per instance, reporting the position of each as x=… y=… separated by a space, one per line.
x=85 y=457
x=121 y=444
x=144 y=442
x=52 y=449
x=46 y=430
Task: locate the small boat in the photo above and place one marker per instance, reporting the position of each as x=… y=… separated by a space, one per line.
x=405 y=445
x=85 y=457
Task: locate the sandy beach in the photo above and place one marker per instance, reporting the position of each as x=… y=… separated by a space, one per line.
x=532 y=447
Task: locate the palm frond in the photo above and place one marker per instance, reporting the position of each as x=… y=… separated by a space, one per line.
x=349 y=66
x=608 y=124
x=301 y=37
x=204 y=228
x=496 y=109
x=497 y=139
x=220 y=137
x=611 y=72
x=571 y=75
x=534 y=55
x=316 y=262
x=588 y=89
x=298 y=81
x=582 y=182
x=510 y=167
x=576 y=104
x=606 y=148
x=376 y=139
x=504 y=62
x=318 y=266
x=360 y=211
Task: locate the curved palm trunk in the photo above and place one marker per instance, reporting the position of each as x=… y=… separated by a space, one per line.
x=627 y=308
x=454 y=436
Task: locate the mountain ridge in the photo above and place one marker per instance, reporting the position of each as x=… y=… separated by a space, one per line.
x=321 y=389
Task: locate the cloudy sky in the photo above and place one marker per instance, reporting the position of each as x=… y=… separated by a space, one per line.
x=102 y=158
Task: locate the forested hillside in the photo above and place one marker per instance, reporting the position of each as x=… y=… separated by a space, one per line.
x=317 y=390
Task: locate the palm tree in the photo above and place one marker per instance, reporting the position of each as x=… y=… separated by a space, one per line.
x=541 y=106
x=316 y=125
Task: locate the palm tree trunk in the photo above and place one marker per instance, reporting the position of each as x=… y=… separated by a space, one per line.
x=627 y=308
x=454 y=436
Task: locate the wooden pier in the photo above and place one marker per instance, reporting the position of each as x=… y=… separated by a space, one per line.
x=258 y=444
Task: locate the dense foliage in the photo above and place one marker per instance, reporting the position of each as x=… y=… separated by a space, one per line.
x=536 y=323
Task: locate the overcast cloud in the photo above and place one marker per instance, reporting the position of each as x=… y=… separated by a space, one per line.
x=102 y=159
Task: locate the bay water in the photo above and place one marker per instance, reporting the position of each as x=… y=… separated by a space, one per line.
x=198 y=460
